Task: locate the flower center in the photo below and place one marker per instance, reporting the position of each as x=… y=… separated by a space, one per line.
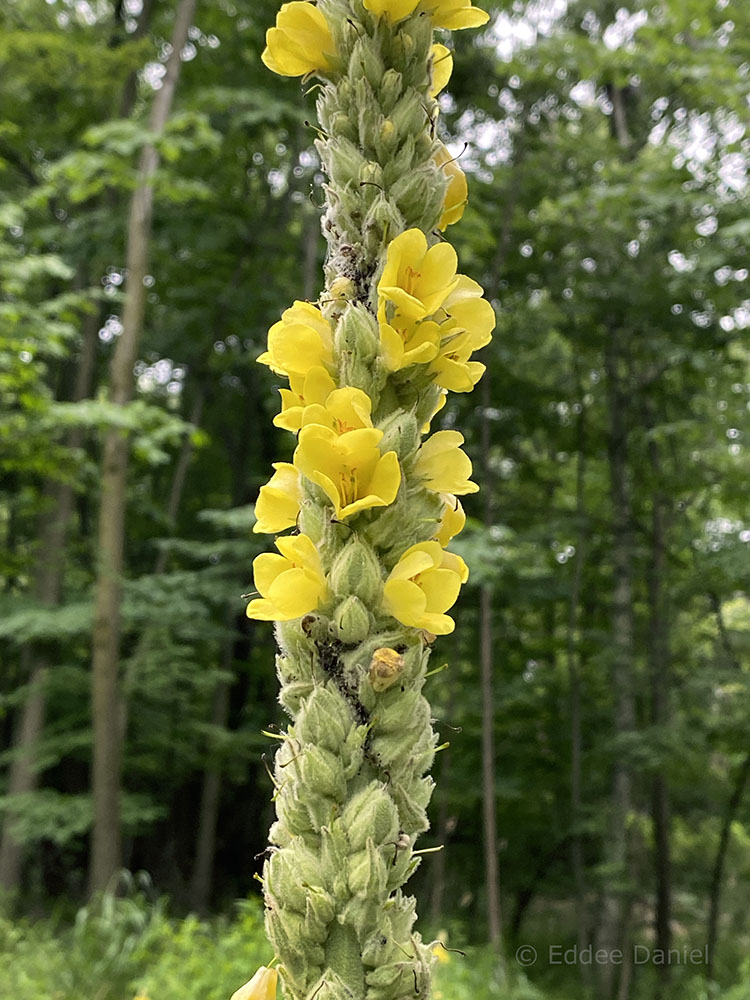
x=349 y=485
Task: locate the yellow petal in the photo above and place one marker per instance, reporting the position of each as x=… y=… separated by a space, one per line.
x=444 y=466
x=405 y=601
x=295 y=348
x=455 y=563
x=437 y=624
x=262 y=610
x=394 y=10
x=300 y=549
x=456 y=194
x=316 y=452
x=453 y=520
x=266 y=567
x=408 y=305
x=261 y=987
x=386 y=478
x=301 y=41
x=350 y=408
x=391 y=347
x=294 y=593
x=415 y=560
x=440 y=587
x=442 y=67
x=456 y=14
x=277 y=507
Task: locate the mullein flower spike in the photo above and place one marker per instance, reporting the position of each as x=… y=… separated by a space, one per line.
x=362 y=582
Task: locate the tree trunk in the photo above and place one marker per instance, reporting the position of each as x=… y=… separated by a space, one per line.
x=614 y=928
x=717 y=876
x=574 y=682
x=489 y=812
x=106 y=850
x=23 y=776
x=205 y=841
x=658 y=662
x=730 y=812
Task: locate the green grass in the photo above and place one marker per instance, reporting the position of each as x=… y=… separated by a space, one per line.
x=126 y=948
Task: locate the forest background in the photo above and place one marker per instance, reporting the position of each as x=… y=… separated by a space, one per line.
x=598 y=683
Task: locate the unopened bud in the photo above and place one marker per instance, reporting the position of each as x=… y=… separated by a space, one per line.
x=313 y=520
x=371 y=173
x=365 y=62
x=400 y=434
x=356 y=571
x=358 y=334
x=391 y=87
x=351 y=621
x=344 y=161
x=408 y=116
x=370 y=813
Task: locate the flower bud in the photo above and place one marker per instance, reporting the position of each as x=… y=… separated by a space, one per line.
x=419 y=194
x=325 y=719
x=352 y=621
x=400 y=434
x=371 y=173
x=370 y=813
x=383 y=217
x=313 y=521
x=368 y=874
x=408 y=115
x=321 y=771
x=287 y=873
x=344 y=161
x=391 y=88
x=356 y=570
x=338 y=123
x=358 y=333
x=365 y=62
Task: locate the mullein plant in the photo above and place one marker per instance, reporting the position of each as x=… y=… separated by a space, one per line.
x=361 y=582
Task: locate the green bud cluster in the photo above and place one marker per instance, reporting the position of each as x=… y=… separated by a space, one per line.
x=351 y=772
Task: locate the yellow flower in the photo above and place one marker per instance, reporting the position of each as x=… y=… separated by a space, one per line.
x=468 y=309
x=394 y=10
x=314 y=399
x=346 y=409
x=261 y=987
x=315 y=386
x=291 y=585
x=457 y=192
x=423 y=585
x=301 y=340
x=442 y=67
x=468 y=326
x=277 y=506
x=443 y=466
x=300 y=43
x=348 y=467
x=412 y=343
x=416 y=280
x=452 y=522
x=455 y=14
